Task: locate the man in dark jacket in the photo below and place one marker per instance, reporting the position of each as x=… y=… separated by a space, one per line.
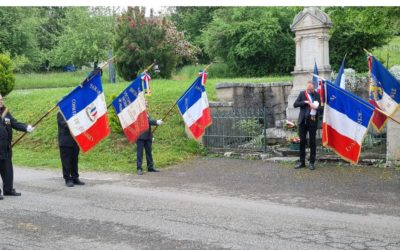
x=69 y=153
x=144 y=141
x=7 y=123
x=309 y=103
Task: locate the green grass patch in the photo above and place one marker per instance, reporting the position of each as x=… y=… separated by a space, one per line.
x=55 y=79
x=40 y=149
x=389 y=54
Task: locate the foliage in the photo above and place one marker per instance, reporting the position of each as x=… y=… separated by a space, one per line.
x=115 y=124
x=139 y=41
x=87 y=36
x=253 y=41
x=355 y=29
x=7 y=79
x=18 y=34
x=192 y=20
x=249 y=127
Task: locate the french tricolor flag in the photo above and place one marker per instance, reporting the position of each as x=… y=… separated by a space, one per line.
x=193 y=106
x=131 y=110
x=345 y=123
x=85 y=111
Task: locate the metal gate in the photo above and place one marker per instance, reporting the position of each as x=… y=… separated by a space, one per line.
x=237 y=128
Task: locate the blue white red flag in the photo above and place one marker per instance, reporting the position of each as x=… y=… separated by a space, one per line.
x=130 y=108
x=341 y=77
x=146 y=80
x=345 y=123
x=384 y=92
x=318 y=85
x=85 y=111
x=194 y=108
x=315 y=79
x=203 y=76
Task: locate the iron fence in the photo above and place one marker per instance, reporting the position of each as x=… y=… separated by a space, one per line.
x=244 y=129
x=237 y=128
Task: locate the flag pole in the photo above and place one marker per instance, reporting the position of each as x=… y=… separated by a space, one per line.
x=379 y=110
x=87 y=79
x=175 y=103
x=369 y=53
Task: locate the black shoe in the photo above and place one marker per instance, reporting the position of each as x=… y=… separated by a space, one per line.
x=300 y=165
x=153 y=170
x=311 y=166
x=1 y=197
x=78 y=182
x=12 y=193
x=69 y=183
x=139 y=172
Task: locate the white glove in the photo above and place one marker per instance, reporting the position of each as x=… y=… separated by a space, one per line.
x=29 y=129
x=315 y=105
x=159 y=122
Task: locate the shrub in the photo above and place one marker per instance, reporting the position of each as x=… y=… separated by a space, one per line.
x=139 y=41
x=7 y=78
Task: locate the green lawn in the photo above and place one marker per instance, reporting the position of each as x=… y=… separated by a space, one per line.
x=389 y=54
x=171 y=144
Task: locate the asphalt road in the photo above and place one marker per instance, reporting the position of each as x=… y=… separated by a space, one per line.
x=207 y=203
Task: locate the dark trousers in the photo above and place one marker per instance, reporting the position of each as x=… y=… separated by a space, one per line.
x=146 y=144
x=7 y=174
x=69 y=161
x=310 y=127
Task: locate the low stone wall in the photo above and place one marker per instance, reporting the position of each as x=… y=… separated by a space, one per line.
x=272 y=96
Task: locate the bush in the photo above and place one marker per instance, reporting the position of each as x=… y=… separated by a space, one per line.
x=7 y=78
x=115 y=124
x=139 y=41
x=253 y=41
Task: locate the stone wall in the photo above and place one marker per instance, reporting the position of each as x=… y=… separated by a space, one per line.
x=274 y=96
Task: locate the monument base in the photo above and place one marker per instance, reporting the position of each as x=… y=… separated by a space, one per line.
x=301 y=77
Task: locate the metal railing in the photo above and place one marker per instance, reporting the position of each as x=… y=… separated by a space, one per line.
x=237 y=128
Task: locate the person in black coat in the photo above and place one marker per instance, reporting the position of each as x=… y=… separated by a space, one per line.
x=310 y=109
x=7 y=124
x=144 y=141
x=69 y=153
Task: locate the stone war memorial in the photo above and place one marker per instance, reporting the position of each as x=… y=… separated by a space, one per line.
x=265 y=108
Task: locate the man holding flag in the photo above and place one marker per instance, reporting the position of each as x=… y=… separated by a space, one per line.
x=145 y=141
x=309 y=103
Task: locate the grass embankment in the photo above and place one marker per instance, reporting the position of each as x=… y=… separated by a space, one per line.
x=171 y=144
x=389 y=54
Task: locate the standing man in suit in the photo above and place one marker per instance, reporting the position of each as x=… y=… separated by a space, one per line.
x=309 y=103
x=7 y=123
x=69 y=153
x=145 y=140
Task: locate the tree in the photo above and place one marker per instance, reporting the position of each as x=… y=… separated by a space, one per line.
x=18 y=34
x=355 y=29
x=7 y=79
x=253 y=41
x=86 y=37
x=140 y=40
x=192 y=21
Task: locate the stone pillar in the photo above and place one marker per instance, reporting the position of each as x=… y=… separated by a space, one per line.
x=311 y=27
x=393 y=142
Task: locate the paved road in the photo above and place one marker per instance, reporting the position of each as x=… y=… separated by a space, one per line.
x=208 y=203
